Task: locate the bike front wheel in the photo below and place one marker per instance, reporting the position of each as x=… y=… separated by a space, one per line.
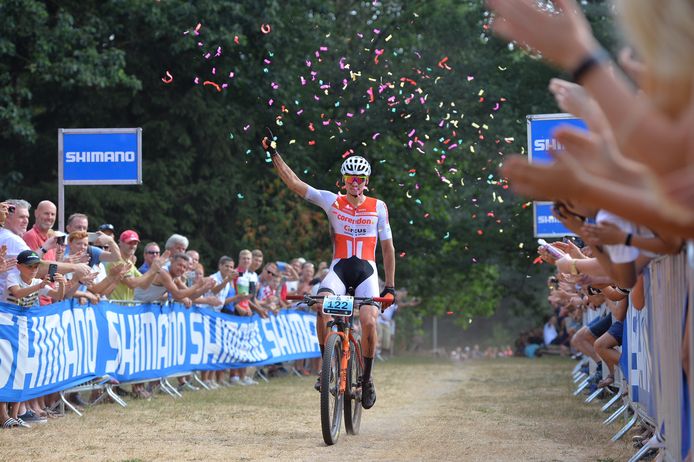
x=352 y=399
x=331 y=400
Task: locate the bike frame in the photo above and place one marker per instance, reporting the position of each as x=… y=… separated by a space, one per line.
x=344 y=330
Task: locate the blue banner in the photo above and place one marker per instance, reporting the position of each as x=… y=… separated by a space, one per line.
x=546 y=225
x=540 y=140
x=101 y=156
x=638 y=325
x=51 y=348
x=541 y=134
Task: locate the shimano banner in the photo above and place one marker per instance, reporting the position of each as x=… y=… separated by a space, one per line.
x=541 y=140
x=100 y=156
x=51 y=348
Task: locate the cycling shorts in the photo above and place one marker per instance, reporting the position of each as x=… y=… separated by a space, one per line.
x=351 y=272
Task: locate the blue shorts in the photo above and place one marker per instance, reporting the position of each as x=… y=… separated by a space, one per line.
x=616 y=330
x=600 y=325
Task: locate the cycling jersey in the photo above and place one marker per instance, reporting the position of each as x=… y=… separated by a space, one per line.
x=356 y=230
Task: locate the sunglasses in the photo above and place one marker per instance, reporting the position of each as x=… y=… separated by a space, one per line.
x=152 y=252
x=359 y=179
x=271 y=273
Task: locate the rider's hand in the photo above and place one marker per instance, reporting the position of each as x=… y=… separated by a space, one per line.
x=388 y=293
x=270 y=146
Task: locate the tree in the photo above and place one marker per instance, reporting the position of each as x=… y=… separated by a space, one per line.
x=418 y=87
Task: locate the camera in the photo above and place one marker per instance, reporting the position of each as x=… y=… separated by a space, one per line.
x=59 y=237
x=11 y=208
x=52 y=268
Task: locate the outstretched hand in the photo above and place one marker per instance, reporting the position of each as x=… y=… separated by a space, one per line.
x=269 y=143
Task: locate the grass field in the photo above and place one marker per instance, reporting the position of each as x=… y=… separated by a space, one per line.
x=507 y=409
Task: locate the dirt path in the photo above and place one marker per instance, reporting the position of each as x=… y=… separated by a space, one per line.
x=495 y=410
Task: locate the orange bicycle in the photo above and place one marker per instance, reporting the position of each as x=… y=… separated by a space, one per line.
x=343 y=364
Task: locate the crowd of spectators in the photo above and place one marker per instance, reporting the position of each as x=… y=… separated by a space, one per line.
x=40 y=266
x=625 y=186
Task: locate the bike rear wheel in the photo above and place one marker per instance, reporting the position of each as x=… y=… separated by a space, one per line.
x=352 y=399
x=331 y=400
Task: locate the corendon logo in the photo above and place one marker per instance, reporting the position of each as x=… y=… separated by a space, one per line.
x=358 y=221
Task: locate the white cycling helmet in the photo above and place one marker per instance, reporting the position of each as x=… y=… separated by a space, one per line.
x=356 y=165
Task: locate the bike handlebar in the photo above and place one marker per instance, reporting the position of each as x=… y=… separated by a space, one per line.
x=321 y=297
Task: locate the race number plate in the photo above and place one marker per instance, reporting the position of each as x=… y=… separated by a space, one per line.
x=338 y=305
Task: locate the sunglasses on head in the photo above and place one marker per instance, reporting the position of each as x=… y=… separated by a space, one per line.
x=359 y=179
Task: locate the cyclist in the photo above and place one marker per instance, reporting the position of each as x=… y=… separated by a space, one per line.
x=357 y=222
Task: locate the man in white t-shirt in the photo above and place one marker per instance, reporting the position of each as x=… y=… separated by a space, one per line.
x=223 y=279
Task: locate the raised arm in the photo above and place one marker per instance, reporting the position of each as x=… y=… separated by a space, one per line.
x=285 y=173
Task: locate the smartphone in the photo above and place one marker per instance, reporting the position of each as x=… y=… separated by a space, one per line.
x=60 y=240
x=92 y=237
x=52 y=269
x=554 y=252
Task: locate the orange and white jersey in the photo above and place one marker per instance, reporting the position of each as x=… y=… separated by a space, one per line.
x=356 y=230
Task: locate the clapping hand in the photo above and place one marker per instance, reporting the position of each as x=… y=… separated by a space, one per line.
x=7 y=264
x=604 y=233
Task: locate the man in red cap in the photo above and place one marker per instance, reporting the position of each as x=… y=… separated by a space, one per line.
x=132 y=278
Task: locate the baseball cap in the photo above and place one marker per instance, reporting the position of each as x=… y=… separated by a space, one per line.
x=28 y=257
x=129 y=236
x=107 y=227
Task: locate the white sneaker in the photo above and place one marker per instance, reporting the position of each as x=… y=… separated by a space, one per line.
x=249 y=381
x=235 y=380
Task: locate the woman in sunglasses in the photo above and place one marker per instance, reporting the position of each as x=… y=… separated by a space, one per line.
x=357 y=222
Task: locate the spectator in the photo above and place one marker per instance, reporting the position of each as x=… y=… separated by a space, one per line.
x=168 y=283
x=151 y=252
x=176 y=244
x=306 y=278
x=222 y=294
x=223 y=278
x=78 y=244
x=108 y=229
x=23 y=290
x=42 y=230
x=246 y=286
x=132 y=278
x=256 y=260
x=268 y=289
x=605 y=345
x=191 y=275
x=80 y=222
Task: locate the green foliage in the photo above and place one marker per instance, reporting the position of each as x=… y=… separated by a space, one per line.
x=463 y=241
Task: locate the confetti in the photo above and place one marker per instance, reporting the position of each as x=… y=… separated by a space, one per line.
x=168 y=78
x=265 y=28
x=215 y=85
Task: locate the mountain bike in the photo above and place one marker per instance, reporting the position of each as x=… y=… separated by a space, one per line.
x=343 y=364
